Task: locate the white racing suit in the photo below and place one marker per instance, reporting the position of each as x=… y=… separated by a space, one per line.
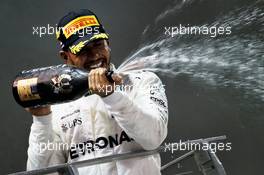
x=130 y=119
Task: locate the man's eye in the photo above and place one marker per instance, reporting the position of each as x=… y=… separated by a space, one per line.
x=82 y=52
x=98 y=44
x=86 y=49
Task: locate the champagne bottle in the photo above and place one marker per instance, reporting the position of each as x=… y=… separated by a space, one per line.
x=51 y=85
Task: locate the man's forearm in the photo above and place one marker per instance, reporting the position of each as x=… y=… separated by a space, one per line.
x=145 y=126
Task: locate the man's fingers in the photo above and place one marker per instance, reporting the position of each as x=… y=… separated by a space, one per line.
x=39 y=111
x=102 y=78
x=117 y=78
x=89 y=81
x=92 y=80
x=97 y=81
x=99 y=84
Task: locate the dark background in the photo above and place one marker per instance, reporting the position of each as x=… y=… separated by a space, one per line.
x=195 y=112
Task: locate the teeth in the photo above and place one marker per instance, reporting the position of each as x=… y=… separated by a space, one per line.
x=97 y=65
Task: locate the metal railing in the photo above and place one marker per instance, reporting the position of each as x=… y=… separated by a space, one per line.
x=207 y=161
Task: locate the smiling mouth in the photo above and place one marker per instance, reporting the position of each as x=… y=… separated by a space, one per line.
x=95 y=64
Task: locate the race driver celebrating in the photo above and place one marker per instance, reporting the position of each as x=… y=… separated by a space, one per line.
x=109 y=122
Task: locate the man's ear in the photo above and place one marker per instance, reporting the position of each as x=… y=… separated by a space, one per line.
x=108 y=45
x=63 y=55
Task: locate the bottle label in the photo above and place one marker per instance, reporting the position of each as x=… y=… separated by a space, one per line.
x=27 y=89
x=62 y=84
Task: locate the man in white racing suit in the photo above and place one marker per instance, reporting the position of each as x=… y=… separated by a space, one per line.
x=109 y=122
